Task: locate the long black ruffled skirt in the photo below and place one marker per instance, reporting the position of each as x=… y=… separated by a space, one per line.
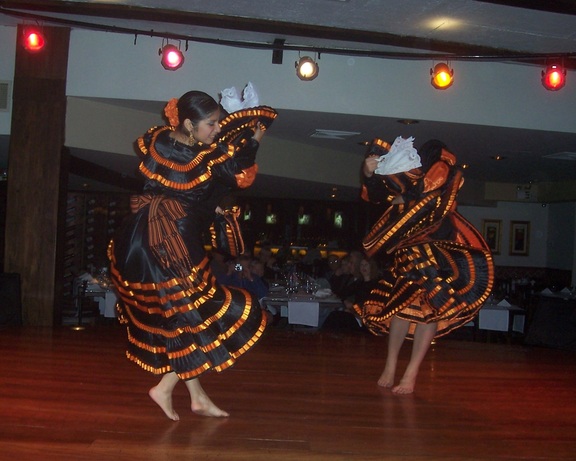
x=441 y=282
x=187 y=325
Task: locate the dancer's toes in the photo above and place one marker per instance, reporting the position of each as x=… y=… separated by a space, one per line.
x=205 y=407
x=214 y=412
x=404 y=388
x=386 y=379
x=164 y=401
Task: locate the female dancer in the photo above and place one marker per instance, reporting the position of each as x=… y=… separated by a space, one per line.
x=440 y=270
x=180 y=322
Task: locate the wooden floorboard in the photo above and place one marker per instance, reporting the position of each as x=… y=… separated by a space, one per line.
x=298 y=395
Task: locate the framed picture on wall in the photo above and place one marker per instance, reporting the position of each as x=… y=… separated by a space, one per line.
x=519 y=238
x=492 y=232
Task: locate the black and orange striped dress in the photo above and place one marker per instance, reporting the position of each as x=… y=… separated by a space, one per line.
x=438 y=266
x=178 y=318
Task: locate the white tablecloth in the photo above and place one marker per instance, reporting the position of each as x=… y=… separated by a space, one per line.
x=107 y=304
x=304 y=313
x=302 y=309
x=497 y=318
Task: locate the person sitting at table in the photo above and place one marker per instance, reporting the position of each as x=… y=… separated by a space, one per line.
x=257 y=269
x=330 y=268
x=272 y=269
x=326 y=269
x=240 y=275
x=345 y=318
x=312 y=261
x=346 y=279
x=370 y=274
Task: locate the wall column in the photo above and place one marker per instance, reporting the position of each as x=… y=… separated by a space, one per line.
x=36 y=181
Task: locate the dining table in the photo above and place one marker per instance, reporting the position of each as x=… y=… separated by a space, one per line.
x=100 y=291
x=499 y=317
x=302 y=308
x=105 y=297
x=502 y=316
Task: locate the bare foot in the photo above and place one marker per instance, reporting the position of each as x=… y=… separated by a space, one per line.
x=386 y=379
x=202 y=405
x=164 y=401
x=406 y=386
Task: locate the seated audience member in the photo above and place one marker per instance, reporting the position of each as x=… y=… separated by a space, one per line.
x=346 y=319
x=272 y=269
x=369 y=272
x=335 y=272
x=331 y=263
x=312 y=261
x=257 y=269
x=356 y=257
x=343 y=283
x=240 y=275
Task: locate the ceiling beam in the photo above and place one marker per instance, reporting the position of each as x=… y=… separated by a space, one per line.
x=437 y=49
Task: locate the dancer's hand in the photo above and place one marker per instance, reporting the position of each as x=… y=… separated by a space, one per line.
x=259 y=132
x=370 y=165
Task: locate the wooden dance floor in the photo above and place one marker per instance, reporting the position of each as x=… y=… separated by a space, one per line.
x=298 y=395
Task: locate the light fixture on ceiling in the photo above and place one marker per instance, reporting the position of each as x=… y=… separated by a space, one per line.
x=407 y=121
x=333 y=134
x=554 y=77
x=442 y=76
x=33 y=39
x=307 y=68
x=497 y=157
x=171 y=56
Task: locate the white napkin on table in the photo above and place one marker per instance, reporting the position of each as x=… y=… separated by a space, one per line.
x=565 y=290
x=546 y=291
x=85 y=277
x=323 y=293
x=504 y=303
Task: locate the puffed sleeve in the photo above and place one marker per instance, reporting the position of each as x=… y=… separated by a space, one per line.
x=240 y=170
x=374 y=190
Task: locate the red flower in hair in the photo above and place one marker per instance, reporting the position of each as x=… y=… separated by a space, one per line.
x=171 y=112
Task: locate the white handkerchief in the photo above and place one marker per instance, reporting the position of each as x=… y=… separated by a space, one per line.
x=230 y=99
x=233 y=101
x=504 y=303
x=323 y=293
x=249 y=96
x=401 y=157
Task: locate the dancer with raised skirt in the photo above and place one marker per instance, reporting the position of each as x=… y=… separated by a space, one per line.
x=439 y=270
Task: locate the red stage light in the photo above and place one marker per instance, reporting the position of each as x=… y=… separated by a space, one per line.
x=554 y=77
x=172 y=57
x=34 y=40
